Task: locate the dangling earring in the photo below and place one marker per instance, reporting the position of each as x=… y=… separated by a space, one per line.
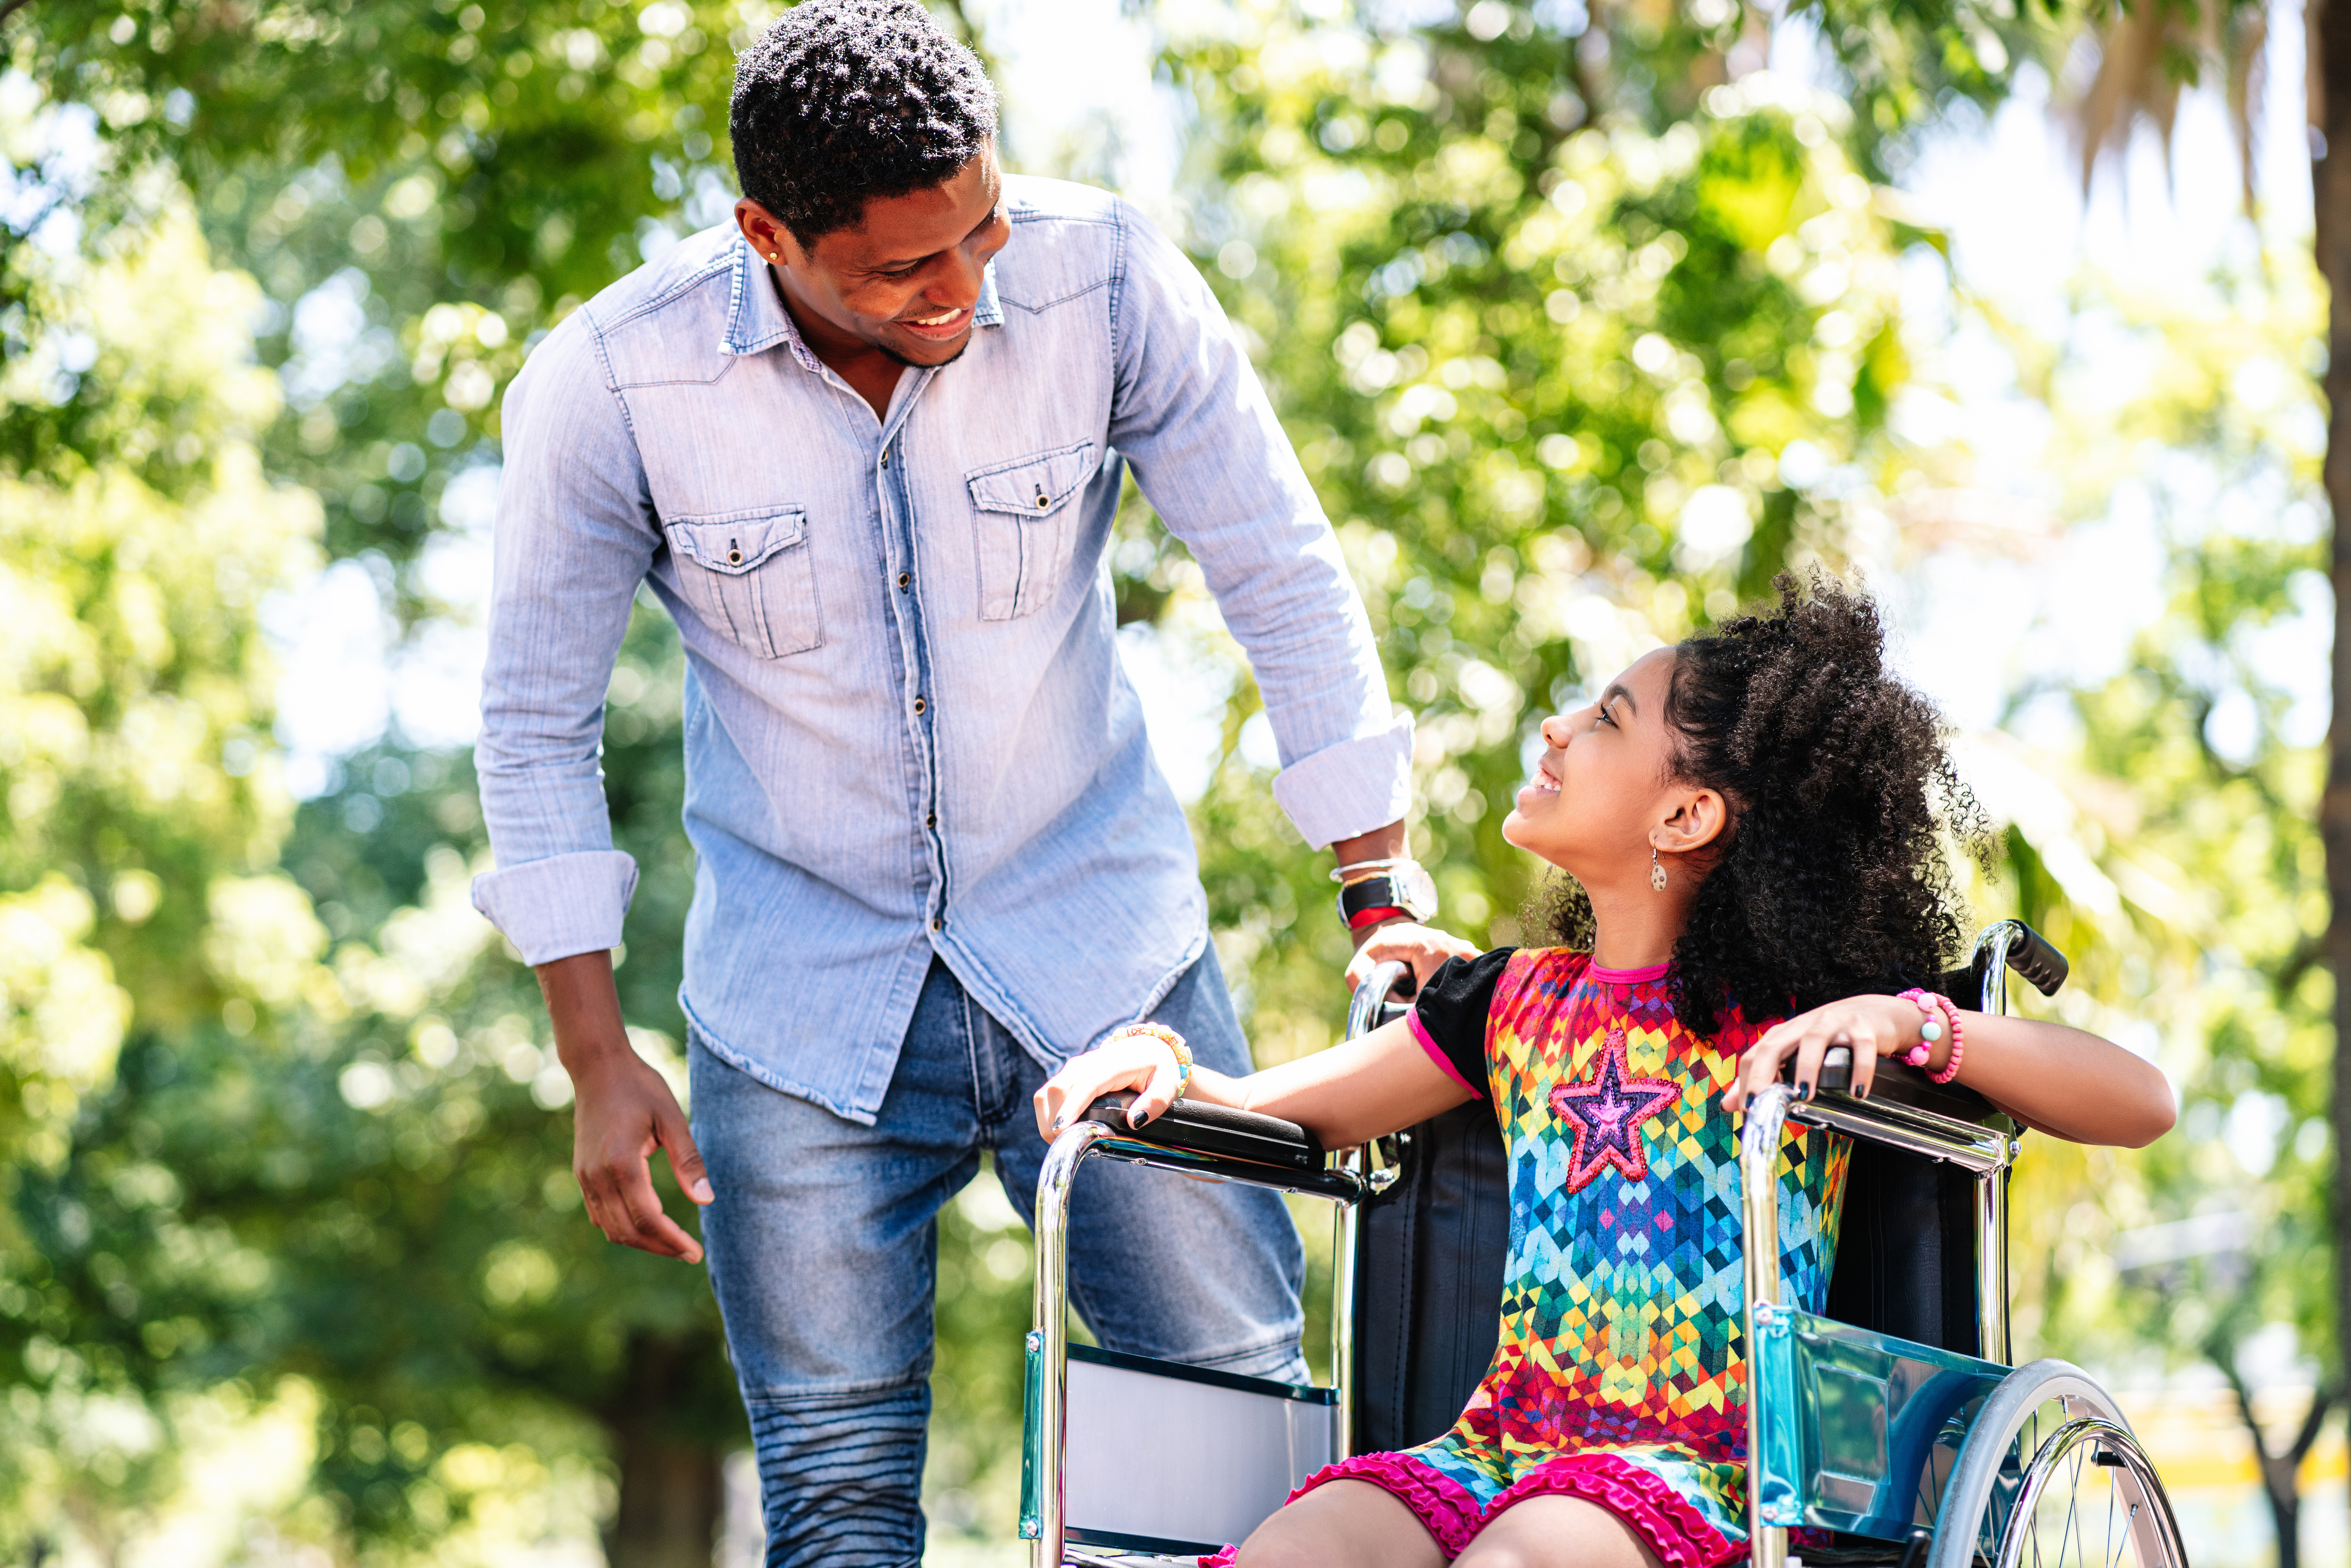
x=1656 y=871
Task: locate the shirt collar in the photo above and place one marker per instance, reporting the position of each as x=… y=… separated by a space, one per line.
x=758 y=321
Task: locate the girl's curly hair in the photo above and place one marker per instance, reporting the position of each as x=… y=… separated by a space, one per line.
x=1832 y=881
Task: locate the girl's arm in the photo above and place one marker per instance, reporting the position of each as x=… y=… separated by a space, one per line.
x=1356 y=1091
x=2052 y=1078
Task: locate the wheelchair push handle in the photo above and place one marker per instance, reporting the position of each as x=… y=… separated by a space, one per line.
x=2035 y=957
x=1215 y=1130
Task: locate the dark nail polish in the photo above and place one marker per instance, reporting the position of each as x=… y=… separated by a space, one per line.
x=1803 y=1090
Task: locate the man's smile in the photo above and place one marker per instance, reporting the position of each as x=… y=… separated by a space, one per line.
x=944 y=325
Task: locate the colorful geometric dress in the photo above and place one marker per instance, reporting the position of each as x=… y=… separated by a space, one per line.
x=1621 y=1374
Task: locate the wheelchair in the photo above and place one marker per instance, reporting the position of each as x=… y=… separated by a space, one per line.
x=1891 y=1430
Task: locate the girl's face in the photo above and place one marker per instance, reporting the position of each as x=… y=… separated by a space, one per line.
x=1602 y=794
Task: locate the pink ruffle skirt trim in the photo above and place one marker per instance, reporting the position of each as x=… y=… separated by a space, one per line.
x=1666 y=1523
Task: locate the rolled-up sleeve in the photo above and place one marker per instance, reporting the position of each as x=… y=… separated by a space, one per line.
x=1194 y=421
x=574 y=537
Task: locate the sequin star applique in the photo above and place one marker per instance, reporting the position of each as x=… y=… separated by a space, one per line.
x=1607 y=1113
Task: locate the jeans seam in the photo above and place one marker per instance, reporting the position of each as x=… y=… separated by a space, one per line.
x=971 y=1058
x=995 y=1111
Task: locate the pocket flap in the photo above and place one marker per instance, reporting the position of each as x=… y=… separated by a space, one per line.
x=1032 y=486
x=735 y=542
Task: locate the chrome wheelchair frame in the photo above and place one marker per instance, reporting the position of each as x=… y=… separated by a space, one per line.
x=1852 y=1432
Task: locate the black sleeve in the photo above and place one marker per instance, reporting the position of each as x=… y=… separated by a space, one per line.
x=1451 y=1011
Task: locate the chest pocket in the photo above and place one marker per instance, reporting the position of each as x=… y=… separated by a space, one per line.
x=1025 y=528
x=749 y=574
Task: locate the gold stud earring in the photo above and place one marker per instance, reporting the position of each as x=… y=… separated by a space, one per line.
x=1656 y=871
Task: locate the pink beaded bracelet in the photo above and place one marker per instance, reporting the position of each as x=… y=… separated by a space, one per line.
x=1931 y=1030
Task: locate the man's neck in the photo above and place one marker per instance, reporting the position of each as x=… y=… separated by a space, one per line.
x=873 y=372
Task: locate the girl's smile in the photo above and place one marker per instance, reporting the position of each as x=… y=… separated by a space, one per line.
x=1544 y=782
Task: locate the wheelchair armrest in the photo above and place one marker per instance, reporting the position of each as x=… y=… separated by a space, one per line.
x=1215 y=1130
x=1899 y=1083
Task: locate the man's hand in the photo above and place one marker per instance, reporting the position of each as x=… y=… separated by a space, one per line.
x=622 y=1111
x=1422 y=948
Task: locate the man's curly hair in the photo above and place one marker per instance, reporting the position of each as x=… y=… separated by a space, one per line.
x=841 y=101
x=1832 y=881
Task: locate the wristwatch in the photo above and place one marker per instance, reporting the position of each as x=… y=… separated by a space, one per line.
x=1401 y=885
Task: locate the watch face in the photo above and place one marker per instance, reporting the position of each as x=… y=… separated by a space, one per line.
x=1416 y=888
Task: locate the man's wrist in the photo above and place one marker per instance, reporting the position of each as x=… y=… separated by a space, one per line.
x=594 y=1055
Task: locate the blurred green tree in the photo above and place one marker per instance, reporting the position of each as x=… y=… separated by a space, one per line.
x=2171 y=845
x=138 y=892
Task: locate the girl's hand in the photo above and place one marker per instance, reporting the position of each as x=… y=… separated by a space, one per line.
x=1873 y=1026
x=1422 y=947
x=1138 y=1061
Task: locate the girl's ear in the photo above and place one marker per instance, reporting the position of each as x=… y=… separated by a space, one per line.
x=1698 y=822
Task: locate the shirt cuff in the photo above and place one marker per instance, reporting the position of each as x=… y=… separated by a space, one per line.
x=1443 y=1063
x=564 y=904
x=1350 y=787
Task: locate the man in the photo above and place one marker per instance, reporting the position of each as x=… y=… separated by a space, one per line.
x=866 y=446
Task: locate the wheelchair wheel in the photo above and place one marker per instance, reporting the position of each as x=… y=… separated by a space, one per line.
x=2052 y=1477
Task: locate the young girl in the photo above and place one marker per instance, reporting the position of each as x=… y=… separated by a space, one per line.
x=1749 y=820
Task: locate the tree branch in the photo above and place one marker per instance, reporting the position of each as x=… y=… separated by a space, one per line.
x=2307 y=953
x=2321 y=1401
x=2227 y=1366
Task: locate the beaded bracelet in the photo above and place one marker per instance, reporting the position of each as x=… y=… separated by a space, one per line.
x=1174 y=1042
x=1931 y=1030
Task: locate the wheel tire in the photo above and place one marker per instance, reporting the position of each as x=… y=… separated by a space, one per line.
x=1993 y=1502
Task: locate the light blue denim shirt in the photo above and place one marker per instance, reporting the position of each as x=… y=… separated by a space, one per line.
x=906 y=725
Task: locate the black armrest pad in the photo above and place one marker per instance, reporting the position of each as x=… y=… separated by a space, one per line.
x=1215 y=1130
x=1899 y=1083
x=1904 y=1084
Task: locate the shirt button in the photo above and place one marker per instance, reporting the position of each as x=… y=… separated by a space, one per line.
x=885 y=460
x=920 y=705
x=937 y=924
x=905 y=581
x=931 y=820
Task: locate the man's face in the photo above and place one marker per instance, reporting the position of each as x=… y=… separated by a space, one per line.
x=906 y=278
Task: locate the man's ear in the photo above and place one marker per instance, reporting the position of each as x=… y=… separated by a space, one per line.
x=1698 y=820
x=770 y=241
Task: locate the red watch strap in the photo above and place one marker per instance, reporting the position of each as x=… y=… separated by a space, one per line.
x=1363 y=917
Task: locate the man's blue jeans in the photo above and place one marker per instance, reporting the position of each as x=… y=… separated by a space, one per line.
x=823 y=1243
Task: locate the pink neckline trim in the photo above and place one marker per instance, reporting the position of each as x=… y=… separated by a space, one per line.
x=1630 y=977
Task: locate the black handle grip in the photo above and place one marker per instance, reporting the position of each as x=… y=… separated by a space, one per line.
x=2032 y=956
x=1214 y=1130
